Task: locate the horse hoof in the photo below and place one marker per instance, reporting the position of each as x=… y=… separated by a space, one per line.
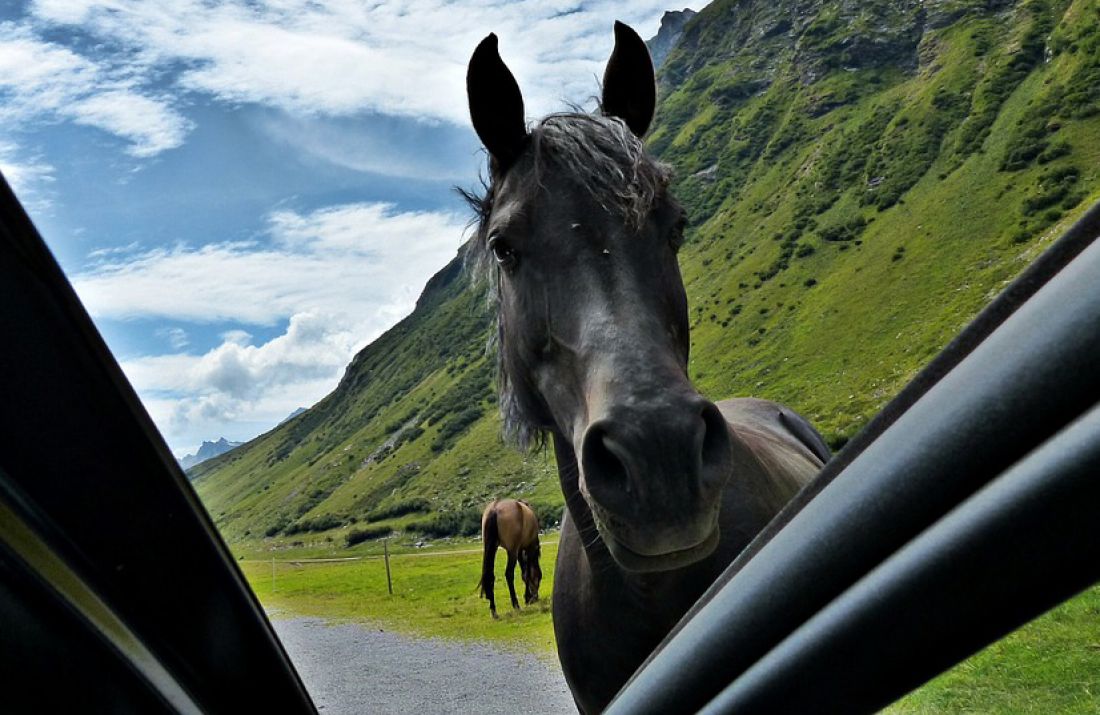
x=495 y=616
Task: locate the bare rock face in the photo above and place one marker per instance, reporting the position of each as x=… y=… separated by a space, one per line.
x=208 y=450
x=672 y=26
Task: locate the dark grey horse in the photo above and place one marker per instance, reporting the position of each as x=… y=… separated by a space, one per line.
x=579 y=235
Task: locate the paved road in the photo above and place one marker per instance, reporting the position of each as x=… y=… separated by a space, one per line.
x=351 y=669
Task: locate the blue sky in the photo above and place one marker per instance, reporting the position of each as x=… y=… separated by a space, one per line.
x=246 y=193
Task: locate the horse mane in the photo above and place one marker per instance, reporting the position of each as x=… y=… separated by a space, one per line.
x=609 y=163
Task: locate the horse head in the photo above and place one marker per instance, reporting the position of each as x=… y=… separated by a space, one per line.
x=531 y=572
x=580 y=235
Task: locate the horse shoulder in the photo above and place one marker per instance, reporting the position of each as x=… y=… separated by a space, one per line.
x=765 y=444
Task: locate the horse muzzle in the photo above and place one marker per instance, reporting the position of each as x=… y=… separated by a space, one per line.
x=632 y=560
x=653 y=479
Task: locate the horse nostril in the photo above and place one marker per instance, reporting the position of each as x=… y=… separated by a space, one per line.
x=604 y=472
x=715 y=451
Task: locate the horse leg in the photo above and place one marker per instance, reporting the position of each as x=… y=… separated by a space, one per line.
x=510 y=573
x=524 y=571
x=488 y=591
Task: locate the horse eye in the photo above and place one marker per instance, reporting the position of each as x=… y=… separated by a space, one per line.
x=505 y=255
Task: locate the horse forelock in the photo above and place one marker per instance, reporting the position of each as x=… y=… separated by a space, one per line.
x=604 y=157
x=600 y=154
x=607 y=162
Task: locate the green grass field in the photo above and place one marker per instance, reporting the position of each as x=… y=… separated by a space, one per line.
x=1051 y=665
x=434 y=592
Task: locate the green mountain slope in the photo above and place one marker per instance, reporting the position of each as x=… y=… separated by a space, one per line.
x=862 y=178
x=412 y=418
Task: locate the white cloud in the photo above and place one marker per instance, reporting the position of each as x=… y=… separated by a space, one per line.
x=100 y=254
x=236 y=389
x=39 y=76
x=237 y=337
x=186 y=423
x=356 y=260
x=344 y=56
x=70 y=12
x=376 y=144
x=42 y=80
x=150 y=125
x=314 y=347
x=340 y=276
x=176 y=337
x=25 y=176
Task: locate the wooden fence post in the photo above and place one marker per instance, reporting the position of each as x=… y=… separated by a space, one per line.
x=386 y=549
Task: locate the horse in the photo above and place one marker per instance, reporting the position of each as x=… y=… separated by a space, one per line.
x=577 y=237
x=512 y=524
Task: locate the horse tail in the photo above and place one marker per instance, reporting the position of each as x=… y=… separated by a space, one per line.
x=491 y=538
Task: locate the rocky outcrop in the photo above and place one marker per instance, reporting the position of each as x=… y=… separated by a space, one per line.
x=672 y=26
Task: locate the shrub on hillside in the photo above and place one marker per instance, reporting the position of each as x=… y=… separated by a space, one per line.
x=317 y=523
x=463 y=522
x=847 y=231
x=1054 y=187
x=549 y=515
x=401 y=508
x=358 y=536
x=276 y=528
x=455 y=425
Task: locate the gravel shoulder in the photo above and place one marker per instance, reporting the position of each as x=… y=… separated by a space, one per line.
x=354 y=668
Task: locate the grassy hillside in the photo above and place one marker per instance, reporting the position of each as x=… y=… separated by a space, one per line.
x=862 y=178
x=407 y=440
x=865 y=180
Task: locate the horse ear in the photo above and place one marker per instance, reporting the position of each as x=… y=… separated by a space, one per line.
x=496 y=105
x=629 y=86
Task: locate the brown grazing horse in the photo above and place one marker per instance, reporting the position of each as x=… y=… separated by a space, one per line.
x=578 y=235
x=513 y=525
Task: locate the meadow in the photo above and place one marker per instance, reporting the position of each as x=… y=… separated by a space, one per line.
x=435 y=592
x=1051 y=665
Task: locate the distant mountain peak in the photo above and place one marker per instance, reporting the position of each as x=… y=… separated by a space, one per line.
x=208 y=450
x=292 y=415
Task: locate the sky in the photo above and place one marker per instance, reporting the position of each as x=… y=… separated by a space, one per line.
x=246 y=193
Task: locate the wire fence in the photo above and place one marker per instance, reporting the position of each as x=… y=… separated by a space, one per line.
x=374 y=557
x=384 y=556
